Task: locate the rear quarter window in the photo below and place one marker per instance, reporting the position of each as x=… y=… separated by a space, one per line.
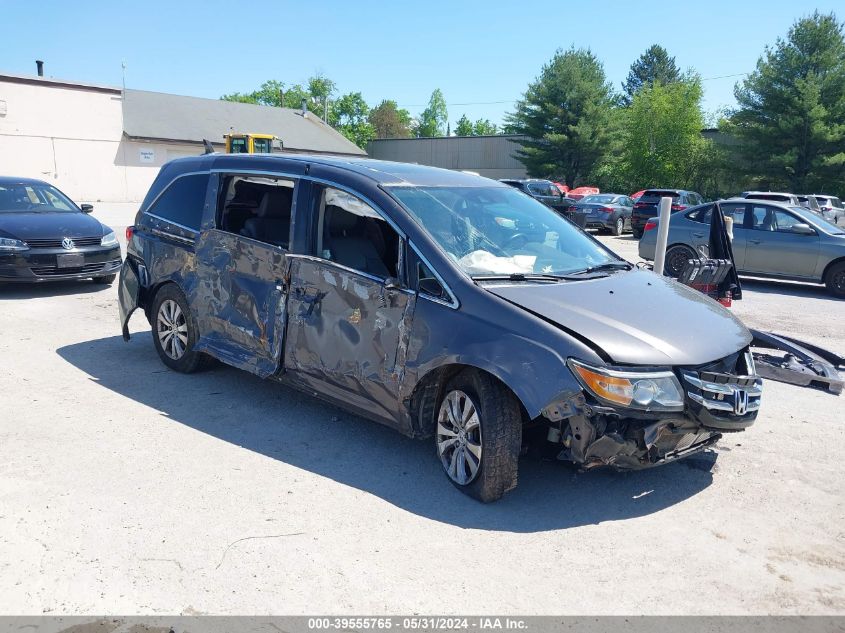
x=183 y=201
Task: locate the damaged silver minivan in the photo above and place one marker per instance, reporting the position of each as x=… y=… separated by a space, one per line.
x=440 y=303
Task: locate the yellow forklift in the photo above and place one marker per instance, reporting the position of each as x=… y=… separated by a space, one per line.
x=252 y=143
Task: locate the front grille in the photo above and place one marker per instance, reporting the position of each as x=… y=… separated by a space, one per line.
x=55 y=271
x=722 y=391
x=57 y=243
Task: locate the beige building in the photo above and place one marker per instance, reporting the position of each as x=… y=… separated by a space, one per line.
x=100 y=143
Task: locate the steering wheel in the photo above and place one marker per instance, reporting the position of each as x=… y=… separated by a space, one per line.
x=513 y=241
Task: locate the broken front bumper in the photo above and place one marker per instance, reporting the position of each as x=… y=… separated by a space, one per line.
x=720 y=397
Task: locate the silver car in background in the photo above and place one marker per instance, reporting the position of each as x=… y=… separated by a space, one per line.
x=771 y=240
x=831 y=208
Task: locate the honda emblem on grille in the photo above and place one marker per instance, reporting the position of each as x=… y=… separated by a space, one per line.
x=740 y=401
x=68 y=244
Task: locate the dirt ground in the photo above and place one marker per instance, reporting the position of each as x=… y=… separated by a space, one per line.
x=127 y=488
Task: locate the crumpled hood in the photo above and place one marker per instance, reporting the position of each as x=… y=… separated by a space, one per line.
x=42 y=226
x=636 y=317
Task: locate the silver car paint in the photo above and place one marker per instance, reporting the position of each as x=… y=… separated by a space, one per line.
x=768 y=253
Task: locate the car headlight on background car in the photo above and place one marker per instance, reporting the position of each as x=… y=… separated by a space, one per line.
x=109 y=239
x=11 y=244
x=635 y=388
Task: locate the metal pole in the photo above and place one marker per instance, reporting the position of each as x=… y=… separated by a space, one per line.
x=662 y=234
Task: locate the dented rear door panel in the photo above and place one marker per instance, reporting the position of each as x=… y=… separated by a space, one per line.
x=240 y=301
x=347 y=336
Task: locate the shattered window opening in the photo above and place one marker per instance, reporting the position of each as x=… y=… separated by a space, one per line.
x=257 y=207
x=352 y=233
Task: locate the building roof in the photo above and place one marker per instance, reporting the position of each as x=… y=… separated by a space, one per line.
x=161 y=116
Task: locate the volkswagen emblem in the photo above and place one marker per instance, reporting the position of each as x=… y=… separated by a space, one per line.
x=740 y=401
x=68 y=244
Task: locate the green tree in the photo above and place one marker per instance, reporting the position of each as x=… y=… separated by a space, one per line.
x=274 y=93
x=483 y=127
x=654 y=65
x=350 y=116
x=464 y=126
x=433 y=119
x=791 y=115
x=564 y=113
x=390 y=121
x=663 y=145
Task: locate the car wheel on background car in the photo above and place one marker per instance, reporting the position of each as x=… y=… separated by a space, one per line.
x=479 y=435
x=618 y=226
x=106 y=279
x=174 y=331
x=835 y=280
x=637 y=233
x=676 y=259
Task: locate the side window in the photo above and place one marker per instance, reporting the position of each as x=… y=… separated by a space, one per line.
x=183 y=201
x=763 y=218
x=737 y=212
x=785 y=221
x=351 y=233
x=257 y=207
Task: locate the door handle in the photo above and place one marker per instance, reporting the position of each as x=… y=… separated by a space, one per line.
x=698 y=234
x=754 y=241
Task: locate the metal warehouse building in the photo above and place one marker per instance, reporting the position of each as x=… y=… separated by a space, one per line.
x=104 y=143
x=490 y=156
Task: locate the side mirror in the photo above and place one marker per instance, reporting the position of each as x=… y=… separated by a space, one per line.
x=87 y=208
x=392 y=283
x=803 y=229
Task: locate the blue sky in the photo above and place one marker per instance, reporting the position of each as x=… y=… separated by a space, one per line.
x=482 y=55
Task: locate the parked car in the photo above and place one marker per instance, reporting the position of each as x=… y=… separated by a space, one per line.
x=831 y=208
x=648 y=205
x=770 y=240
x=580 y=192
x=809 y=202
x=441 y=304
x=776 y=196
x=610 y=211
x=636 y=196
x=543 y=190
x=45 y=236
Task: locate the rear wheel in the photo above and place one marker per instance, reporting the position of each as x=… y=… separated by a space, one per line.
x=479 y=435
x=676 y=260
x=175 y=331
x=638 y=233
x=618 y=226
x=835 y=280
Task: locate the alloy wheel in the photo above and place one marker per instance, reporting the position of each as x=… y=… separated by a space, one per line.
x=620 y=226
x=172 y=329
x=459 y=437
x=676 y=260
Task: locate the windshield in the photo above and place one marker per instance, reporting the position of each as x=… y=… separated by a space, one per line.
x=15 y=198
x=500 y=231
x=813 y=218
x=601 y=199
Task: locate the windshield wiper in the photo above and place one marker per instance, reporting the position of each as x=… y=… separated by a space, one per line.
x=517 y=277
x=602 y=267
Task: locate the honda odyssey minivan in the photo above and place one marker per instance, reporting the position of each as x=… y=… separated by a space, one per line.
x=440 y=303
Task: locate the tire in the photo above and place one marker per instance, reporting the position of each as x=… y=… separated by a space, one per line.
x=835 y=280
x=107 y=279
x=618 y=227
x=477 y=414
x=177 y=350
x=676 y=259
x=637 y=233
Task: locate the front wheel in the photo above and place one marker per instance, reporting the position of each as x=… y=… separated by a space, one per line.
x=479 y=435
x=835 y=280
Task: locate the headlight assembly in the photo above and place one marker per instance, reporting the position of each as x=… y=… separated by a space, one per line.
x=8 y=244
x=637 y=388
x=109 y=239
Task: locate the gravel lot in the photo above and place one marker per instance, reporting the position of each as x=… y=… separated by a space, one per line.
x=127 y=488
